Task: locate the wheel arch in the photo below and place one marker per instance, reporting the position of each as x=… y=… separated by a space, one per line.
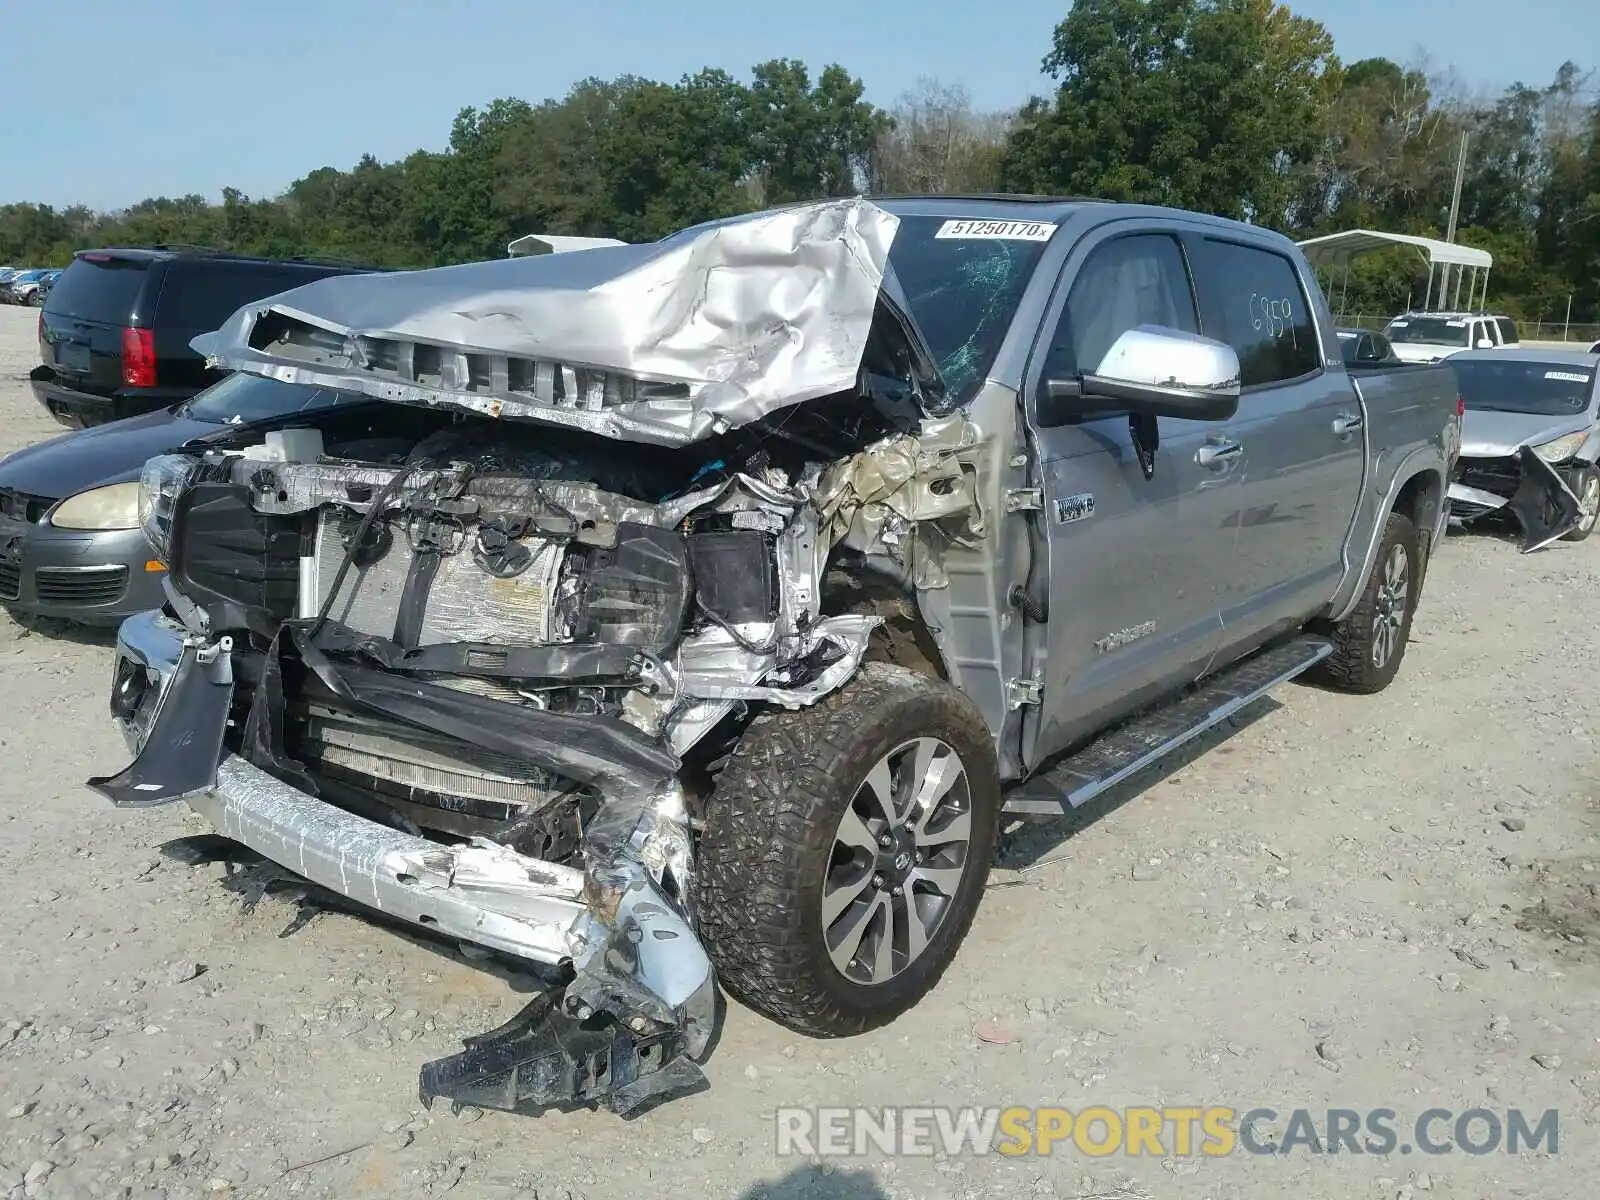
x=1421 y=498
x=1416 y=491
x=906 y=637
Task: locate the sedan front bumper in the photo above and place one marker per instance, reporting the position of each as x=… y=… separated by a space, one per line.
x=631 y=949
x=1525 y=486
x=96 y=577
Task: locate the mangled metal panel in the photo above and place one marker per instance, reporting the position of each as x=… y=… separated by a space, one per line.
x=667 y=343
x=903 y=497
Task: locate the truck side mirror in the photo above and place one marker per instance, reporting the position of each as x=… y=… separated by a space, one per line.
x=1150 y=371
x=1484 y=343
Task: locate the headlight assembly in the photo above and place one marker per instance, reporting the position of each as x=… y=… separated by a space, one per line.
x=113 y=507
x=1561 y=448
x=164 y=477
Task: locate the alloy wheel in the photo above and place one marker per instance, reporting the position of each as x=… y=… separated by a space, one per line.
x=1393 y=591
x=898 y=859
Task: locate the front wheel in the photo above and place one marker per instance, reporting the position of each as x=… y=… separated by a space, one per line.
x=1370 y=643
x=1586 y=486
x=845 y=851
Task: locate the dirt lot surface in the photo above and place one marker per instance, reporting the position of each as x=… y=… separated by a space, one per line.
x=1387 y=902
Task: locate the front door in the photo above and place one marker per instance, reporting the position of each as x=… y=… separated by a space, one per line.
x=1137 y=566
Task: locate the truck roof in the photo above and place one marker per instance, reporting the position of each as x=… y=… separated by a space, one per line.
x=1008 y=206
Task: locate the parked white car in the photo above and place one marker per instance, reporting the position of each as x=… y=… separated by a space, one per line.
x=1431 y=336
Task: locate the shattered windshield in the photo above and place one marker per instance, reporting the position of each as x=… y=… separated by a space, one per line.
x=243 y=399
x=1542 y=388
x=1431 y=331
x=963 y=281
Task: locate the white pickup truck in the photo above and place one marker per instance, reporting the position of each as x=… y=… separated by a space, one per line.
x=1431 y=336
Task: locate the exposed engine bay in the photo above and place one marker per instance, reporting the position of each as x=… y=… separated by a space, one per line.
x=485 y=686
x=524 y=652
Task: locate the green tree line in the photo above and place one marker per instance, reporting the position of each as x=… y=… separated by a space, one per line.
x=1236 y=107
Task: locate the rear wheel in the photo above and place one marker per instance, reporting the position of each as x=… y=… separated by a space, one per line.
x=1586 y=486
x=1370 y=643
x=846 y=849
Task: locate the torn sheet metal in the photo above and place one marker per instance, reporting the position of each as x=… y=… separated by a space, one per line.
x=712 y=666
x=1545 y=506
x=1533 y=491
x=898 y=497
x=667 y=342
x=640 y=960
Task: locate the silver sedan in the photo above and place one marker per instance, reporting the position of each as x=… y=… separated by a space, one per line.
x=1530 y=442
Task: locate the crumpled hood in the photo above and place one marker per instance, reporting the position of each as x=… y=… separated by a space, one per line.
x=667 y=342
x=1489 y=434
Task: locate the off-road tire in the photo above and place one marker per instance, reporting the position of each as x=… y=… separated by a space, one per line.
x=1588 y=478
x=1351 y=667
x=769 y=832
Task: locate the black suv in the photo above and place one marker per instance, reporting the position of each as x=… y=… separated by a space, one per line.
x=114 y=334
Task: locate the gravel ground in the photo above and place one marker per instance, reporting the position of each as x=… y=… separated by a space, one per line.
x=1344 y=902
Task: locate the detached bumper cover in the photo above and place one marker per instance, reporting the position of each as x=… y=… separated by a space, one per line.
x=639 y=971
x=1528 y=487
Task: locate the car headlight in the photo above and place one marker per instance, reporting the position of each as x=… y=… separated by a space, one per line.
x=112 y=507
x=1562 y=448
x=163 y=479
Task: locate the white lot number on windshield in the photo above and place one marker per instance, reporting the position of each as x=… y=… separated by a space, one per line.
x=1011 y=231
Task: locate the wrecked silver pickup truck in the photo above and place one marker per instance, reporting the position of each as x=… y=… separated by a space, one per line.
x=749 y=580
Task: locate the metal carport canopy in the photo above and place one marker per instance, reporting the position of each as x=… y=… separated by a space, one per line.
x=1448 y=259
x=555 y=243
x=1334 y=247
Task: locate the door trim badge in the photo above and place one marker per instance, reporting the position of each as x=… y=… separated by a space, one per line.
x=1076 y=507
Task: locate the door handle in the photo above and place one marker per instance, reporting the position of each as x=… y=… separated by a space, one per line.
x=1218 y=453
x=1347 y=423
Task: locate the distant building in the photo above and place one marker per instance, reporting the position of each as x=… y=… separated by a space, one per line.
x=551 y=243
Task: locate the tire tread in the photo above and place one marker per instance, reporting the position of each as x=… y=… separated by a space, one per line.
x=772 y=819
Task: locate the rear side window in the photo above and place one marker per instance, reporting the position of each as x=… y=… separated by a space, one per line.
x=1508 y=330
x=1130 y=281
x=99 y=289
x=201 y=295
x=1256 y=297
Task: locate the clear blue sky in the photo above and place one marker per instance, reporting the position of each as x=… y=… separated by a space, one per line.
x=110 y=101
